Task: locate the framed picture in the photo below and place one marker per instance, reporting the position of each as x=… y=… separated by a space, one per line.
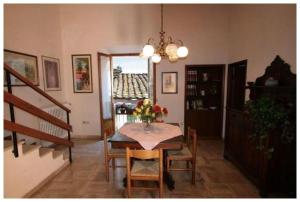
x=169 y=83
x=24 y=64
x=82 y=73
x=51 y=71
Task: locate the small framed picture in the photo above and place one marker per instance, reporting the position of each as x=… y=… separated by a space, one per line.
x=24 y=64
x=51 y=71
x=169 y=83
x=82 y=73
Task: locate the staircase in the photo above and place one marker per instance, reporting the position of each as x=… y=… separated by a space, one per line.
x=28 y=166
x=34 y=166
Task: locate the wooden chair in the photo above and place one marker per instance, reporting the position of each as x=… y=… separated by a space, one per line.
x=144 y=170
x=188 y=154
x=111 y=154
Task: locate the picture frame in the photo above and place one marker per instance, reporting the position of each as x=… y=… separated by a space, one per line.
x=169 y=82
x=25 y=64
x=51 y=73
x=82 y=73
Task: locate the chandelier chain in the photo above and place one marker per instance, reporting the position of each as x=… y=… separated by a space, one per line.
x=161 y=18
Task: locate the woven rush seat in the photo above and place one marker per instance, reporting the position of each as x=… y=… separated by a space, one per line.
x=145 y=168
x=144 y=165
x=187 y=154
x=183 y=153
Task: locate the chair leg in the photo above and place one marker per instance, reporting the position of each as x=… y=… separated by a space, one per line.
x=187 y=164
x=168 y=165
x=161 y=187
x=193 y=172
x=128 y=187
x=107 y=169
x=113 y=163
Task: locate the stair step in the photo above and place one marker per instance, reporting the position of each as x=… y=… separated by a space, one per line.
x=8 y=144
x=44 y=151
x=29 y=148
x=58 y=153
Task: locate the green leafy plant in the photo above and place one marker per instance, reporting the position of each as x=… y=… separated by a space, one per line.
x=268 y=115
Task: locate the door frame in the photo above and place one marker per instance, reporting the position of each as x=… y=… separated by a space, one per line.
x=229 y=72
x=99 y=54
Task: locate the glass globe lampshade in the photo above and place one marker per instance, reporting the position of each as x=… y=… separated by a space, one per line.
x=182 y=52
x=173 y=58
x=156 y=58
x=171 y=49
x=148 y=50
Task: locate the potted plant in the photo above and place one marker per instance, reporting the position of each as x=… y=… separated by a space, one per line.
x=267 y=115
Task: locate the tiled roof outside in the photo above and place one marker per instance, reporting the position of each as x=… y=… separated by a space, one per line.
x=130 y=86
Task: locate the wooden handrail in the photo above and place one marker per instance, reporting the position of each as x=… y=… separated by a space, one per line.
x=8 y=125
x=21 y=104
x=30 y=84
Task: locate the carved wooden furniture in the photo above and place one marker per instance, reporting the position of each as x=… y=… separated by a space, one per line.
x=111 y=155
x=188 y=154
x=149 y=169
x=204 y=99
x=275 y=176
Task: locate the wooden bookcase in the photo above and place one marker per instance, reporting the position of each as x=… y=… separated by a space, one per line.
x=204 y=91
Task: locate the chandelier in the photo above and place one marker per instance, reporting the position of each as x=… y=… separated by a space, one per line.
x=167 y=48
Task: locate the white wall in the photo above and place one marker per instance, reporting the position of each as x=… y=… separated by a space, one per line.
x=87 y=29
x=126 y=28
x=214 y=34
x=33 y=30
x=204 y=30
x=259 y=33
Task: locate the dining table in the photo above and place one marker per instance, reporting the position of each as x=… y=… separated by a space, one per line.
x=121 y=141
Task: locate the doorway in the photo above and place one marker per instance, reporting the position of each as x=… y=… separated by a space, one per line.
x=124 y=79
x=236 y=85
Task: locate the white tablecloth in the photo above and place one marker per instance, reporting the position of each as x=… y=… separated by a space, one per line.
x=158 y=132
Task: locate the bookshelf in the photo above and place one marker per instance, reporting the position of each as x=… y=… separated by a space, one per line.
x=204 y=86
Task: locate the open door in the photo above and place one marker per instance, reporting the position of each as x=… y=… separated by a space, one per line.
x=236 y=85
x=105 y=92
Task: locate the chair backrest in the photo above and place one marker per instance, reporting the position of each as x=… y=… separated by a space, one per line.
x=192 y=141
x=144 y=154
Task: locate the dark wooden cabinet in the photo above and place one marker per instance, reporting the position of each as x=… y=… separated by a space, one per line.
x=275 y=176
x=204 y=99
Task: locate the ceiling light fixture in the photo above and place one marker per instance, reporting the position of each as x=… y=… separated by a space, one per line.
x=166 y=48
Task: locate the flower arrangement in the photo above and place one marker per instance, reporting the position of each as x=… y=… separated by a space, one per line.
x=148 y=112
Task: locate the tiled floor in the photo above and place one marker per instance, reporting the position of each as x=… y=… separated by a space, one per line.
x=85 y=178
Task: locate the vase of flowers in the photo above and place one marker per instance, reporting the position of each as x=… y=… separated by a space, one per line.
x=147 y=112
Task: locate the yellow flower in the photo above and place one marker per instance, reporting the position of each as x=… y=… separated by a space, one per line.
x=138 y=110
x=147 y=111
x=146 y=102
x=134 y=114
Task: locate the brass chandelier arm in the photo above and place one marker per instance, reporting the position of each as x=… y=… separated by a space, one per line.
x=166 y=47
x=150 y=41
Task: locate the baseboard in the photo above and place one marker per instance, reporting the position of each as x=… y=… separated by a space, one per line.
x=87 y=137
x=45 y=181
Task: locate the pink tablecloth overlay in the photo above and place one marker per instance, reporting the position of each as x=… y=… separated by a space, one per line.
x=157 y=133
